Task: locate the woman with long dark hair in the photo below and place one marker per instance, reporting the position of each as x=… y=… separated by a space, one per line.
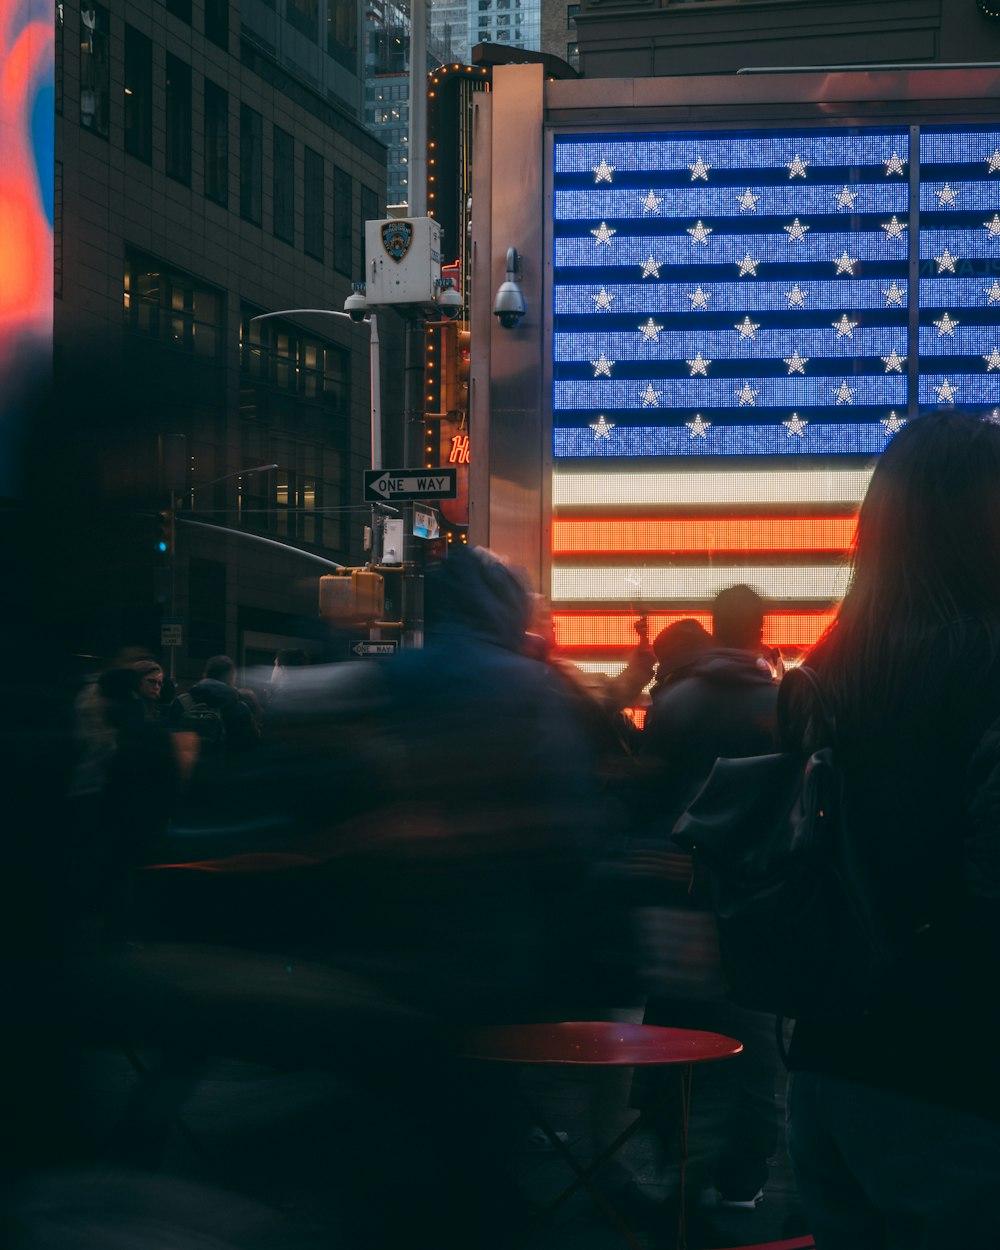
x=894 y=1118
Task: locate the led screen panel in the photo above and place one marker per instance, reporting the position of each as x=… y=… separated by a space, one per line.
x=741 y=321
x=27 y=139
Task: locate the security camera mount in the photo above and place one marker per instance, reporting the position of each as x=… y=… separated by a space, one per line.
x=509 y=306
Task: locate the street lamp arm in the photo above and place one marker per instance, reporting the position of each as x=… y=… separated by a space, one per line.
x=315 y=312
x=257 y=538
x=375 y=373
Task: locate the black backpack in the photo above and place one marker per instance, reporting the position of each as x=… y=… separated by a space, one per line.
x=800 y=926
x=197 y=716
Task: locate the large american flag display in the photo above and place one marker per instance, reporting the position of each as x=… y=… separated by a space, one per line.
x=742 y=320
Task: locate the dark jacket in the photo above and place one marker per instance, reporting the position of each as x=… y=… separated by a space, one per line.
x=923 y=783
x=722 y=705
x=242 y=731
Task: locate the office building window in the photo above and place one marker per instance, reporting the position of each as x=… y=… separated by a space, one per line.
x=217 y=22
x=138 y=95
x=178 y=120
x=314 y=203
x=95 y=69
x=370 y=205
x=173 y=307
x=181 y=9
x=343 y=223
x=304 y=16
x=216 y=143
x=342 y=32
x=291 y=385
x=251 y=164
x=284 y=185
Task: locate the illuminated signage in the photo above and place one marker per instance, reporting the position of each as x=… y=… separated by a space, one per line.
x=732 y=311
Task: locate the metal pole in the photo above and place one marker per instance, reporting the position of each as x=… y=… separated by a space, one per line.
x=417 y=141
x=376 y=394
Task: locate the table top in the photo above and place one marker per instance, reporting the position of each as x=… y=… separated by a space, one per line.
x=595 y=1043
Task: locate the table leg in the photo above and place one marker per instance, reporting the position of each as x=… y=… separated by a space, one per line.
x=584 y=1174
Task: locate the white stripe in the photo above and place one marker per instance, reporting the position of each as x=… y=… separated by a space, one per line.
x=694 y=583
x=812 y=486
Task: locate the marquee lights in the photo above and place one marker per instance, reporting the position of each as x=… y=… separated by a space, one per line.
x=596 y=488
x=587 y=631
x=696 y=583
x=676 y=536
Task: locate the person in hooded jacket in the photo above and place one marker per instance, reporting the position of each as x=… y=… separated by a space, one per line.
x=217 y=690
x=713 y=698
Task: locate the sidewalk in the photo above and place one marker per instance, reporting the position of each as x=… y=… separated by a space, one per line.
x=255 y=1135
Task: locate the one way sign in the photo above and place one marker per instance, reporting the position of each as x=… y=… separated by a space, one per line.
x=400 y=485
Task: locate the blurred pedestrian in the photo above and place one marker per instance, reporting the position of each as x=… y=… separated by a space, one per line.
x=150 y=688
x=226 y=718
x=713 y=697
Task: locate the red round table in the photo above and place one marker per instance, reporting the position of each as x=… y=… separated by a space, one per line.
x=603 y=1043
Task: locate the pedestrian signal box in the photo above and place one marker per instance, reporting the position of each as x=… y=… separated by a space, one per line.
x=352 y=595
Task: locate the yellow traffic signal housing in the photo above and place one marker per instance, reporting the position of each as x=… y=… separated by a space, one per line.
x=351 y=595
x=456 y=362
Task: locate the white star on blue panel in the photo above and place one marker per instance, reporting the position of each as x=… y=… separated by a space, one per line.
x=651 y=202
x=603 y=172
x=844 y=393
x=747 y=396
x=651 y=398
x=795 y=425
x=845 y=198
x=601 y=428
x=748 y=201
x=650 y=331
x=650 y=268
x=797 y=167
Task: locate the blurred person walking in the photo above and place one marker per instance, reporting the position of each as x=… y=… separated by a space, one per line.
x=223 y=716
x=894 y=1117
x=713 y=697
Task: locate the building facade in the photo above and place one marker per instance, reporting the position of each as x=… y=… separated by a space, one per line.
x=212 y=165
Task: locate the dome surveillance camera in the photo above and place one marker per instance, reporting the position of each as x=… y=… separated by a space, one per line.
x=449 y=303
x=509 y=306
x=356 y=306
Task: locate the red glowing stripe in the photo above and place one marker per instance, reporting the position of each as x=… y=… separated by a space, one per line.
x=702 y=534
x=591 y=630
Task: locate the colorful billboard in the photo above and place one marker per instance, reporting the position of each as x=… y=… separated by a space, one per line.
x=27 y=167
x=742 y=320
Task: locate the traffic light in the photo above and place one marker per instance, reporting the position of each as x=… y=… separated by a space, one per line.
x=463 y=367
x=164 y=540
x=456 y=362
